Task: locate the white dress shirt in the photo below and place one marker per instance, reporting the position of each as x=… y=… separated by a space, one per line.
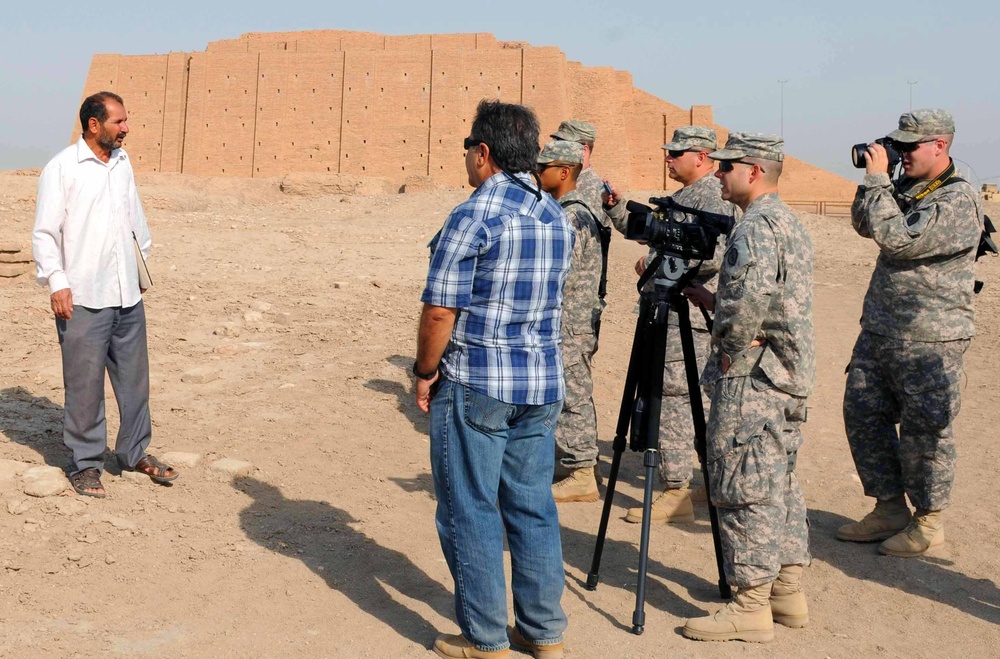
x=85 y=215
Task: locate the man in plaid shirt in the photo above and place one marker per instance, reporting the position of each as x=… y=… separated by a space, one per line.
x=489 y=371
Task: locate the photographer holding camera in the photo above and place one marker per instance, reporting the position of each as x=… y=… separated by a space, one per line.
x=916 y=325
x=760 y=373
x=688 y=164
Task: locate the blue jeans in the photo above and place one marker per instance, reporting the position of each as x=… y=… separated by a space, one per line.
x=492 y=464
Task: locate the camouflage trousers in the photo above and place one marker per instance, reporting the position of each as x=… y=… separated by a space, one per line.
x=576 y=431
x=914 y=384
x=753 y=436
x=676 y=424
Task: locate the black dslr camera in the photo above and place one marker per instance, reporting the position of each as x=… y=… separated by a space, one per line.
x=695 y=240
x=893 y=151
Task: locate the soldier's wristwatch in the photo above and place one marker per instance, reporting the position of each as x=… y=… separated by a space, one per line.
x=424 y=376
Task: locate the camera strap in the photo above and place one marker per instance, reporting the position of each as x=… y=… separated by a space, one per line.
x=605 y=235
x=941 y=180
x=946 y=178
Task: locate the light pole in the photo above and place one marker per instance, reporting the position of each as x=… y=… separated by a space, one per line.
x=782 y=83
x=911 y=83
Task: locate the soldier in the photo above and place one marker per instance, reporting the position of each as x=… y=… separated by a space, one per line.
x=760 y=373
x=916 y=325
x=588 y=186
x=689 y=164
x=559 y=165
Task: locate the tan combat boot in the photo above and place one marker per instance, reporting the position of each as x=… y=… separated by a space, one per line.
x=672 y=506
x=788 y=602
x=580 y=485
x=519 y=642
x=746 y=618
x=924 y=532
x=456 y=646
x=889 y=518
x=699 y=495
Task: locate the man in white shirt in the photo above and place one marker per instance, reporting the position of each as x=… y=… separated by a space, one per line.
x=87 y=216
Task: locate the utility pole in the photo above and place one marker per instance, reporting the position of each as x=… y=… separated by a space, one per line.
x=782 y=83
x=911 y=83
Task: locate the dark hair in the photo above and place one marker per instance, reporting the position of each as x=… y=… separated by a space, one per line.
x=94 y=106
x=511 y=132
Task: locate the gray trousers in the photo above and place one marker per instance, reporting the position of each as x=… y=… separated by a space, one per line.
x=92 y=342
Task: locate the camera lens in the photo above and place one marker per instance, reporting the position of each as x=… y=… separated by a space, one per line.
x=858 y=155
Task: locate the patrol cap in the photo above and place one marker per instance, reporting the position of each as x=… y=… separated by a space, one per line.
x=575 y=131
x=563 y=151
x=751 y=145
x=921 y=124
x=693 y=137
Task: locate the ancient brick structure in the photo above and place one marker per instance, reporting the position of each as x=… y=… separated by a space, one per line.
x=267 y=104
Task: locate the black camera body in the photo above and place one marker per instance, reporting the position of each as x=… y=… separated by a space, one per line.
x=694 y=240
x=895 y=155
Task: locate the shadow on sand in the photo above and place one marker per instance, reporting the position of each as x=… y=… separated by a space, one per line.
x=321 y=536
x=925 y=577
x=35 y=422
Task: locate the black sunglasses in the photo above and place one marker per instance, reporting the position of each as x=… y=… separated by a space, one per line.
x=910 y=147
x=471 y=142
x=727 y=165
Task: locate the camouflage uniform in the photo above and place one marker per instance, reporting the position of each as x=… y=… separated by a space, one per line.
x=676 y=440
x=576 y=431
x=765 y=294
x=576 y=434
x=917 y=322
x=588 y=186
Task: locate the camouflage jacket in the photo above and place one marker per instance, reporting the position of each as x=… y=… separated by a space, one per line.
x=922 y=286
x=704 y=194
x=588 y=186
x=581 y=305
x=766 y=293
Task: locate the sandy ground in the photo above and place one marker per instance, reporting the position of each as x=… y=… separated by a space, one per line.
x=329 y=548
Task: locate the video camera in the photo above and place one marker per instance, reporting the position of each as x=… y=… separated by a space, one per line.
x=687 y=240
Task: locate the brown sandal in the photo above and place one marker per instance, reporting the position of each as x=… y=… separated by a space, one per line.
x=88 y=479
x=156 y=470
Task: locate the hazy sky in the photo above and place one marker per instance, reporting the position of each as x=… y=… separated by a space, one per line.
x=848 y=64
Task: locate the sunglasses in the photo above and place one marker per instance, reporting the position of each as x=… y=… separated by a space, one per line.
x=727 y=165
x=543 y=166
x=910 y=147
x=471 y=142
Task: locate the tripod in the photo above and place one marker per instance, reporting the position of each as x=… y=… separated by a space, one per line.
x=640 y=408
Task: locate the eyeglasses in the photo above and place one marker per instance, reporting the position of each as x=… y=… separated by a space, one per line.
x=676 y=154
x=727 y=165
x=471 y=142
x=910 y=147
x=543 y=166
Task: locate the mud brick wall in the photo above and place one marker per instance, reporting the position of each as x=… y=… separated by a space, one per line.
x=361 y=103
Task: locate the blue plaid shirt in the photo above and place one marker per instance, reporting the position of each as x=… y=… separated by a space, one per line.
x=501 y=259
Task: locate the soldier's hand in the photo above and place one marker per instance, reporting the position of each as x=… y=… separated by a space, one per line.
x=876 y=159
x=62 y=303
x=611 y=200
x=700 y=296
x=640 y=266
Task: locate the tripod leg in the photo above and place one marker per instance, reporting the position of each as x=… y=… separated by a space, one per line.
x=650 y=460
x=637 y=358
x=700 y=435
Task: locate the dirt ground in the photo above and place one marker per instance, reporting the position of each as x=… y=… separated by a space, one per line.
x=329 y=548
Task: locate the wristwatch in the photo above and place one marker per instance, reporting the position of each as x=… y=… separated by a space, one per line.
x=424 y=376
